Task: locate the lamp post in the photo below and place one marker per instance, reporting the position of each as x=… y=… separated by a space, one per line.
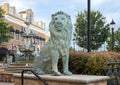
x=74 y=39
x=112 y=25
x=88 y=47
x=74 y=43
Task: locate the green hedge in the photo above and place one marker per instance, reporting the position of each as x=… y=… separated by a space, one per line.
x=90 y=63
x=97 y=62
x=77 y=62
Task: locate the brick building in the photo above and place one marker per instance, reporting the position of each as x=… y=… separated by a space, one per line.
x=17 y=21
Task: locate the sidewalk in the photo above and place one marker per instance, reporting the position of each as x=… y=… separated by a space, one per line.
x=6 y=83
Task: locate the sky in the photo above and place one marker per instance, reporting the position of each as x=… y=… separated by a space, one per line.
x=43 y=9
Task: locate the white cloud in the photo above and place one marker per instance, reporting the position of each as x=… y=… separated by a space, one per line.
x=115 y=17
x=95 y=3
x=44 y=8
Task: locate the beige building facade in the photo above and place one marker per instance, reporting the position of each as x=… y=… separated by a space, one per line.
x=17 y=21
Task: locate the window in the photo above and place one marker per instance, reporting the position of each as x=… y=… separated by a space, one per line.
x=12 y=32
x=17 y=34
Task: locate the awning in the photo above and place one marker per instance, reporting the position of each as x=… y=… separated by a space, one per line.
x=43 y=39
x=12 y=30
x=17 y=31
x=3 y=50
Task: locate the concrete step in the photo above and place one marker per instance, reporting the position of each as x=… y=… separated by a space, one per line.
x=6 y=83
x=17 y=69
x=20 y=64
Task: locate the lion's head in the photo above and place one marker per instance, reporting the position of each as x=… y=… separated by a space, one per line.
x=61 y=26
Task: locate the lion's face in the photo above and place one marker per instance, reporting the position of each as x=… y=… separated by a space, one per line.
x=59 y=22
x=61 y=26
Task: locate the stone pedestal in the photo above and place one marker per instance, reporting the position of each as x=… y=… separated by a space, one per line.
x=30 y=79
x=6 y=77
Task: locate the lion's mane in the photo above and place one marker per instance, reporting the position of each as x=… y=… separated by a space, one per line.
x=61 y=39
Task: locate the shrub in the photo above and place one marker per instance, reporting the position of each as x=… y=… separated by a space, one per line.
x=97 y=62
x=91 y=63
x=78 y=61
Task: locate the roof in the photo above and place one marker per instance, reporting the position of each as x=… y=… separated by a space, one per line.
x=22 y=12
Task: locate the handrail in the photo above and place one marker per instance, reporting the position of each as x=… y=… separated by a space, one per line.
x=22 y=77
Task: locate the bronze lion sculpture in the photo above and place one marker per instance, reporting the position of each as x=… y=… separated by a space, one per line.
x=56 y=47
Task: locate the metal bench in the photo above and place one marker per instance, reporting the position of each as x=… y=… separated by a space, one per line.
x=113 y=71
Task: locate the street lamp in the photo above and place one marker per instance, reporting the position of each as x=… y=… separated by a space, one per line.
x=74 y=40
x=74 y=43
x=112 y=25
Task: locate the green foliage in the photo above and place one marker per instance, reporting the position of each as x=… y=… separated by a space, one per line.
x=97 y=62
x=116 y=41
x=4 y=28
x=99 y=29
x=90 y=63
x=71 y=48
x=78 y=61
x=1 y=14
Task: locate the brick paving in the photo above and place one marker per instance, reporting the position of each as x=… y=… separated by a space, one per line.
x=6 y=83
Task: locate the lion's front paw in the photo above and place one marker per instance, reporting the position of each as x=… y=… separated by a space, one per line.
x=56 y=73
x=39 y=72
x=67 y=73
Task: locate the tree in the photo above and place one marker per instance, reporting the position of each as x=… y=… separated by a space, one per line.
x=4 y=28
x=99 y=29
x=116 y=41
